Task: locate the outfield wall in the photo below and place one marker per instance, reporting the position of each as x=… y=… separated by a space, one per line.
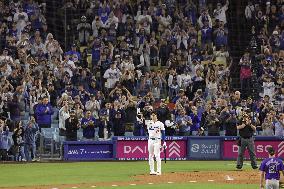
x=178 y=148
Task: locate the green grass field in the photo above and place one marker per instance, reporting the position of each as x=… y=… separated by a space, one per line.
x=90 y=173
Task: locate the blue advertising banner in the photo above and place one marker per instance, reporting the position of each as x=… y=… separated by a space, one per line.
x=204 y=148
x=88 y=150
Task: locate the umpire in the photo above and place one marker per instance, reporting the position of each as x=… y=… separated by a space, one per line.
x=246 y=130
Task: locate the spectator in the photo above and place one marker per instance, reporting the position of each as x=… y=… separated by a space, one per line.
x=104 y=126
x=43 y=113
x=72 y=124
x=88 y=124
x=19 y=142
x=84 y=29
x=63 y=115
x=117 y=118
x=231 y=124
x=4 y=132
x=213 y=123
x=30 y=131
x=279 y=125
x=267 y=126
x=184 y=123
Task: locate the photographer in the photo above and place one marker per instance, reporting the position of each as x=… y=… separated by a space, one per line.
x=246 y=131
x=4 y=132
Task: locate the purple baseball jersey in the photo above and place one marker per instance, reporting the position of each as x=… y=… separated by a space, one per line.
x=272 y=168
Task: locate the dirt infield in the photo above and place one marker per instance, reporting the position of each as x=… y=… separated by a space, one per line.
x=220 y=177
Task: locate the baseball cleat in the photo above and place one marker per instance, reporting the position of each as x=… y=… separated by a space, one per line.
x=159 y=173
x=153 y=173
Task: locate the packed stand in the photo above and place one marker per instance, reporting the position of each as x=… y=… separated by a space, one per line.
x=128 y=59
x=262 y=64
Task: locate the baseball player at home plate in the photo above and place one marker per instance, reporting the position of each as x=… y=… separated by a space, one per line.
x=156 y=131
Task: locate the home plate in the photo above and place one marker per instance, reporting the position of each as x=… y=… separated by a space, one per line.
x=150 y=183
x=193 y=181
x=170 y=182
x=132 y=184
x=114 y=185
x=229 y=178
x=210 y=180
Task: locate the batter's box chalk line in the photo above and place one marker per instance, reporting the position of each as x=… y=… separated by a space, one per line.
x=229 y=178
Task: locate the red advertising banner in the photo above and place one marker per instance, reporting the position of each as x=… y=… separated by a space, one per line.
x=138 y=150
x=230 y=149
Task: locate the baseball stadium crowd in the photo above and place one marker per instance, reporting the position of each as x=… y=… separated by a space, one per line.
x=130 y=58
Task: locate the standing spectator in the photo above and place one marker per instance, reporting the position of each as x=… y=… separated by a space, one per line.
x=267 y=126
x=246 y=131
x=30 y=139
x=4 y=132
x=104 y=126
x=93 y=105
x=14 y=108
x=220 y=12
x=196 y=119
x=88 y=124
x=112 y=75
x=245 y=74
x=279 y=125
x=213 y=123
x=184 y=123
x=84 y=29
x=231 y=124
x=19 y=142
x=43 y=113
x=117 y=118
x=63 y=115
x=72 y=125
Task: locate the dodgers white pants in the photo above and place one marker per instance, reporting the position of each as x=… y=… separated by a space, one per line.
x=154 y=150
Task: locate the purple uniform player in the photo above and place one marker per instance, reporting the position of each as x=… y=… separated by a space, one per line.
x=271 y=167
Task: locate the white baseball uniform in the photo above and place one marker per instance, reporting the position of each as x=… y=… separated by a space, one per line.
x=154 y=143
